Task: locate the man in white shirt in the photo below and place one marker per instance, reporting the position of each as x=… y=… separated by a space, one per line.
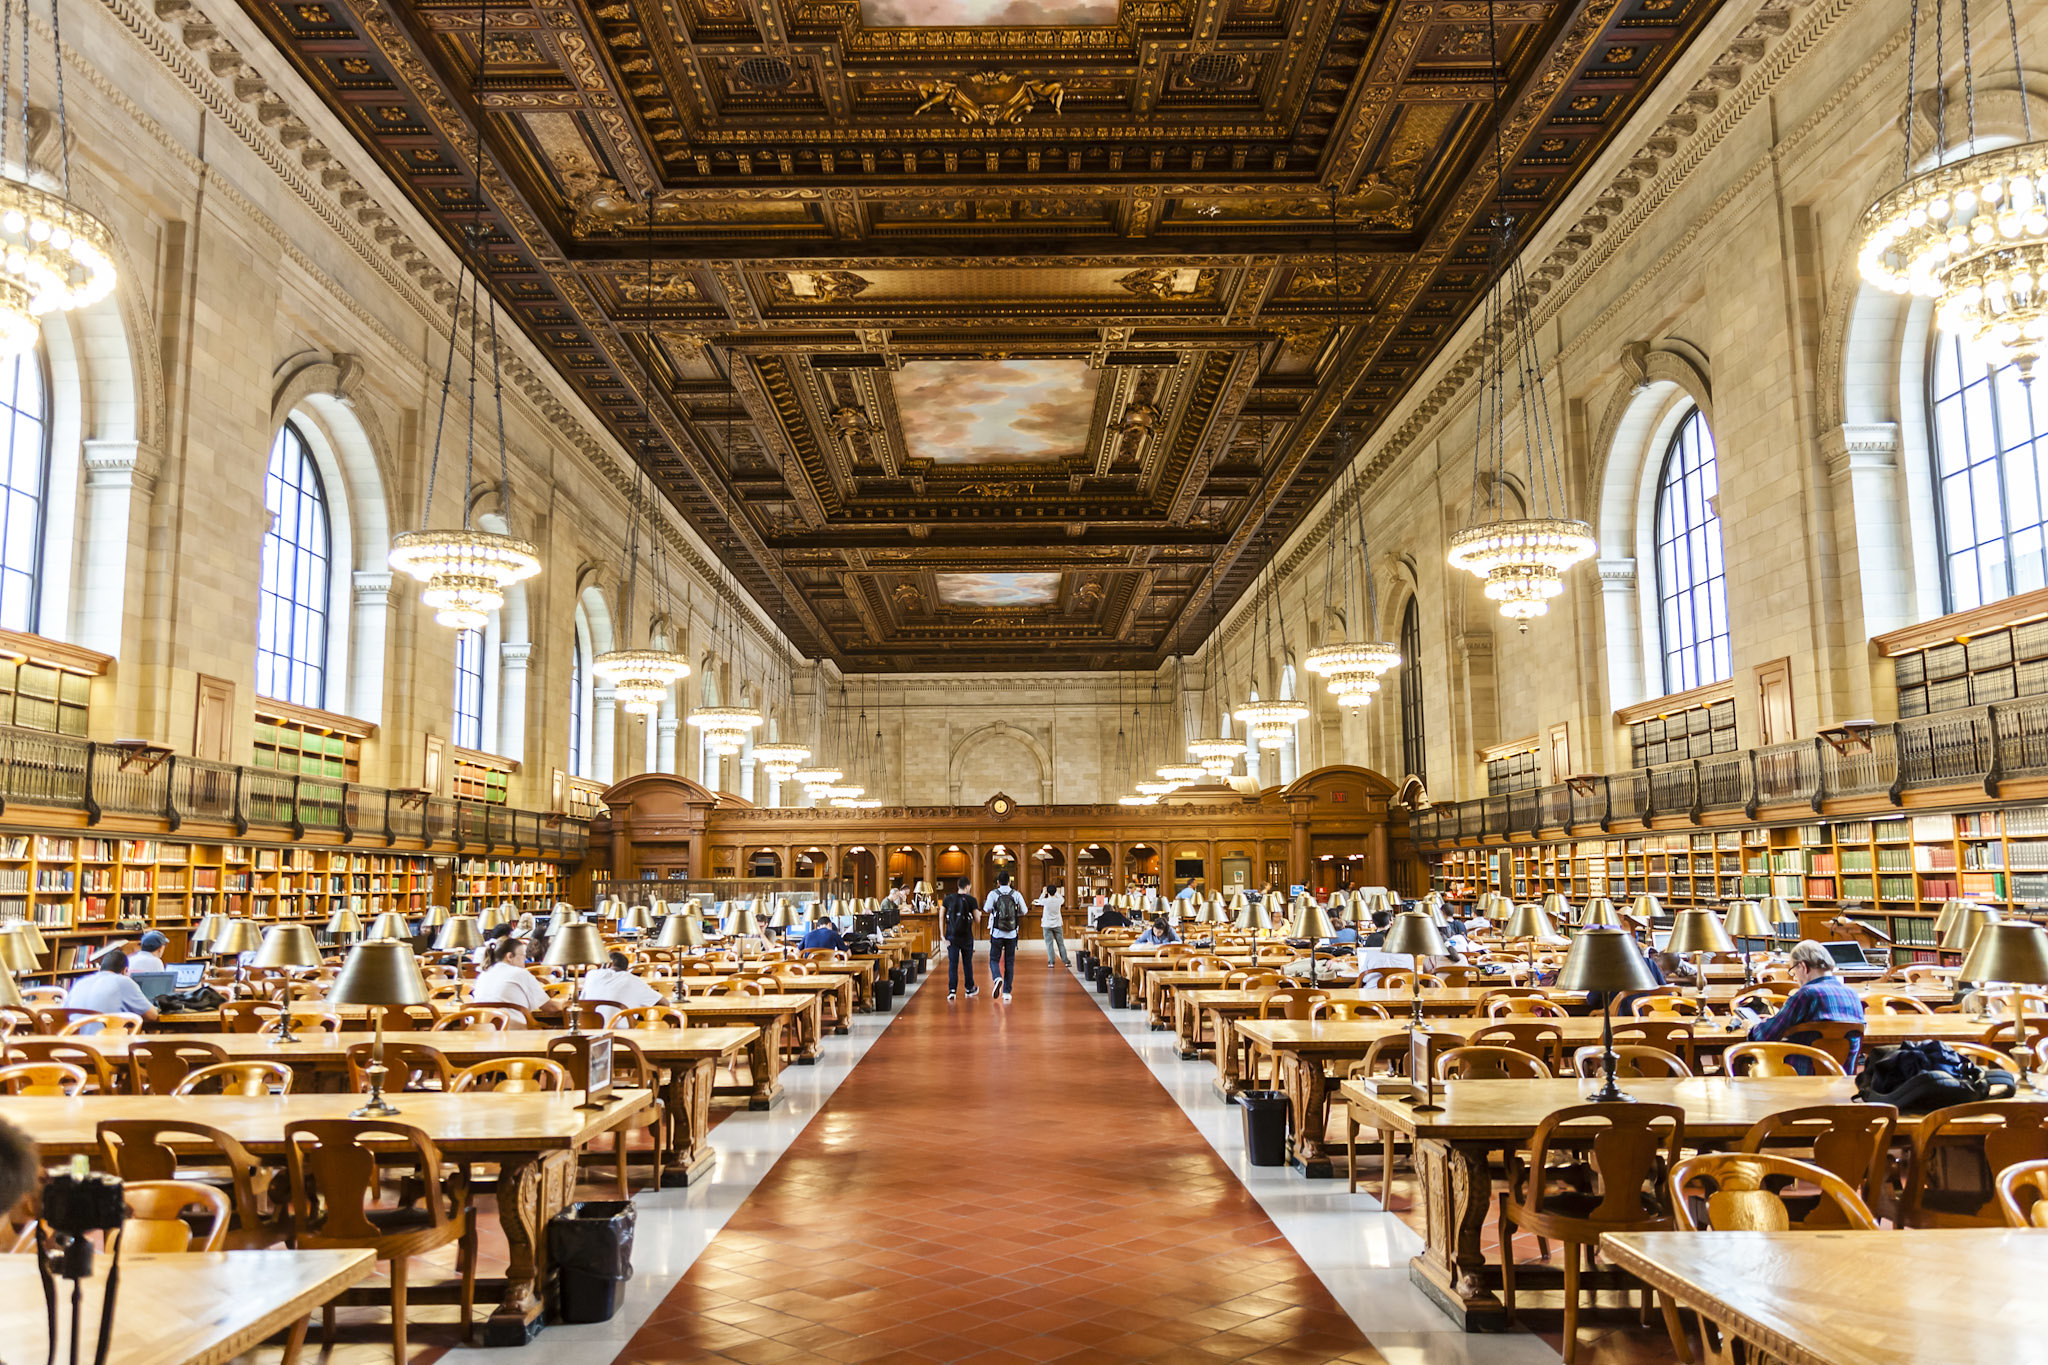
x=1050 y=902
x=613 y=987
x=109 y=991
x=149 y=957
x=1005 y=910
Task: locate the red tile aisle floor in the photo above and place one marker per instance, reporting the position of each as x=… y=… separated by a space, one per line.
x=1000 y=1183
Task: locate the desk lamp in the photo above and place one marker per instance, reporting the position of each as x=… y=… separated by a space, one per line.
x=1945 y=918
x=682 y=929
x=210 y=924
x=1557 y=909
x=1414 y=933
x=1697 y=931
x=1598 y=911
x=434 y=917
x=1252 y=916
x=461 y=935
x=10 y=994
x=562 y=918
x=16 y=956
x=746 y=922
x=343 y=925
x=380 y=974
x=1745 y=919
x=1961 y=935
x=2014 y=952
x=287 y=945
x=1606 y=958
x=783 y=920
x=31 y=934
x=1528 y=922
x=391 y=924
x=637 y=919
x=239 y=937
x=580 y=946
x=1312 y=924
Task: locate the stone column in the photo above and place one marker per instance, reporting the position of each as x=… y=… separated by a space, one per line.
x=512 y=662
x=665 y=744
x=369 y=619
x=604 y=731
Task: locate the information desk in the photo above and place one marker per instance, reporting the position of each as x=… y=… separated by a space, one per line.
x=533 y=1140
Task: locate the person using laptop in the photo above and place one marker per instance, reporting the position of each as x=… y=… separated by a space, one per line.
x=109 y=991
x=1821 y=997
x=148 y=956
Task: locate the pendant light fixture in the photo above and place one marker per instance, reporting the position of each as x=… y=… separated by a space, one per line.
x=642 y=679
x=1523 y=559
x=1352 y=667
x=839 y=789
x=467 y=569
x=1971 y=231
x=1217 y=753
x=820 y=777
x=863 y=758
x=54 y=256
x=1269 y=722
x=782 y=758
x=1127 y=753
x=1161 y=785
x=727 y=728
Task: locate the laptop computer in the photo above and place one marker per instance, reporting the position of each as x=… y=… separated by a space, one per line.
x=155 y=985
x=188 y=974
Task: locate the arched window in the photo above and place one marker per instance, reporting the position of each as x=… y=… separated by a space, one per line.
x=1413 y=746
x=292 y=597
x=577 y=755
x=1989 y=448
x=469 y=689
x=1692 y=591
x=24 y=407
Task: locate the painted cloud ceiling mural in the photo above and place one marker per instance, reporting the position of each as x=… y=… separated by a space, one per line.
x=984 y=13
x=998 y=589
x=995 y=411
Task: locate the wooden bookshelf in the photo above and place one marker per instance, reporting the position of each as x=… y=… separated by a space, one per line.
x=523 y=883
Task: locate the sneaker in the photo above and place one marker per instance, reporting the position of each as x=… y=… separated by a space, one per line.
x=949 y=997
x=972 y=991
x=1006 y=997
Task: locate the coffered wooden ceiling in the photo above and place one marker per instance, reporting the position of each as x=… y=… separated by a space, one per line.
x=1016 y=345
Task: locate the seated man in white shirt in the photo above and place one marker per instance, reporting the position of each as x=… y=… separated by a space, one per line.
x=613 y=987
x=109 y=991
x=149 y=958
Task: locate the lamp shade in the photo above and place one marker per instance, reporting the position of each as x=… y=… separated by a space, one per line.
x=287 y=945
x=1310 y=921
x=1646 y=907
x=1777 y=910
x=214 y=922
x=1599 y=910
x=390 y=924
x=636 y=917
x=785 y=915
x=1604 y=957
x=575 y=945
x=1745 y=919
x=31 y=935
x=924 y=888
x=16 y=955
x=1414 y=934
x=1238 y=901
x=745 y=923
x=1557 y=908
x=1963 y=929
x=10 y=994
x=1253 y=915
x=436 y=916
x=1697 y=931
x=239 y=937
x=563 y=917
x=487 y=918
x=1529 y=921
x=459 y=934
x=683 y=929
x=1945 y=917
x=2014 y=951
x=380 y=972
x=342 y=921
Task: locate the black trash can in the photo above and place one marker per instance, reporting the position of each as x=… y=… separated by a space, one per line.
x=591 y=1245
x=1102 y=981
x=1119 y=992
x=1265 y=1126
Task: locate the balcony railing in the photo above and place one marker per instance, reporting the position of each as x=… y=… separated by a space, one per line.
x=1979 y=746
x=65 y=773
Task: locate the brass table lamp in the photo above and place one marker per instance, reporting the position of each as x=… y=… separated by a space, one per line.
x=1697 y=931
x=379 y=975
x=1745 y=919
x=435 y=917
x=783 y=920
x=2014 y=952
x=1598 y=911
x=343 y=924
x=581 y=947
x=31 y=934
x=210 y=925
x=391 y=924
x=1529 y=924
x=746 y=923
x=10 y=994
x=682 y=929
x=1605 y=958
x=460 y=936
x=239 y=937
x=287 y=945
x=1414 y=933
x=1557 y=908
x=636 y=920
x=16 y=955
x=1312 y=924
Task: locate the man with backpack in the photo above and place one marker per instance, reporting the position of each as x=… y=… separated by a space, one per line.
x=1005 y=910
x=957 y=917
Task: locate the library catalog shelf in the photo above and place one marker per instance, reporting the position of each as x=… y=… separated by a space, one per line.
x=59 y=772
x=1981 y=746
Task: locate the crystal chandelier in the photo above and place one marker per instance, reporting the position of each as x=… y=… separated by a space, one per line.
x=1217 y=756
x=640 y=678
x=726 y=728
x=467 y=569
x=1522 y=559
x=1271 y=723
x=1970 y=232
x=815 y=780
x=781 y=758
x=1181 y=774
x=54 y=256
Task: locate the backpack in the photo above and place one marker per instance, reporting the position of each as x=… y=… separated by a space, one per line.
x=1919 y=1078
x=1009 y=912
x=959 y=917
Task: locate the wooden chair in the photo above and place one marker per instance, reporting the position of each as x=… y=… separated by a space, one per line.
x=1761 y=1000
x=1401 y=979
x=1292 y=1002
x=246 y=1078
x=1999 y=1035
x=305 y=1019
x=1664 y=1007
x=650 y=1016
x=473 y=1017
x=631 y=1069
x=1851 y=1141
x=1202 y=962
x=1535 y=1036
x=2023 y=1194
x=155 y=1066
x=1744 y=1061
x=38 y=997
x=1346 y=1010
x=1611 y=1186
x=408 y=1066
x=1250 y=979
x=1841 y=1040
x=512 y=1076
x=1743 y=1192
x=158 y=1212
x=1456 y=975
x=42 y=1078
x=141 y=1149
x=741 y=985
x=101 y=1074
x=1386 y=1056
x=1957 y=1151
x=1510 y=993
x=334 y=1165
x=1630 y=1059
x=1892 y=1002
x=242 y=1016
x=1525 y=1007
x=102 y=1026
x=1671 y=1035
x=1484 y=1063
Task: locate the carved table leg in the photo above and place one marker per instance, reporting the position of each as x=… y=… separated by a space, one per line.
x=1457 y=1197
x=1308 y=1104
x=1228 y=1079
x=688 y=1100
x=807 y=1030
x=532 y=1188
x=764 y=1061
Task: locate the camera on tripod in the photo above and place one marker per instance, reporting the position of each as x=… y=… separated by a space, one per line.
x=75 y=1204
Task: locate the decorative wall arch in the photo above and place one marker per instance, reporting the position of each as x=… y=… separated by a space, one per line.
x=1006 y=735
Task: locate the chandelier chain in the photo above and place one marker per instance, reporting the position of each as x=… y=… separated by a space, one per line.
x=1969 y=78
x=441 y=416
x=2012 y=29
x=1940 y=95
x=1912 y=74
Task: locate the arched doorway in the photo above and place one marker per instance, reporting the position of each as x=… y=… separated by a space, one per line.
x=764 y=862
x=1094 y=875
x=857 y=871
x=813 y=863
x=951 y=864
x=1000 y=858
x=1052 y=869
x=906 y=865
x=1141 y=867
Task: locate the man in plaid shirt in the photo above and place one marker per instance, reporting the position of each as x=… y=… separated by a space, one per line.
x=1821 y=997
